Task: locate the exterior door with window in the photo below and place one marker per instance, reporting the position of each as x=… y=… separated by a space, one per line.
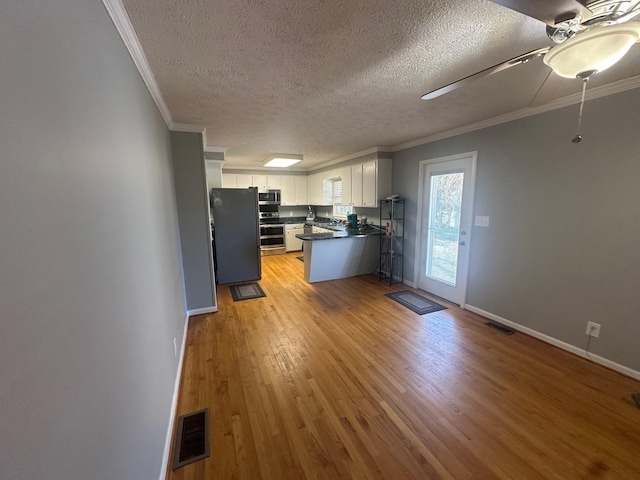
x=447 y=204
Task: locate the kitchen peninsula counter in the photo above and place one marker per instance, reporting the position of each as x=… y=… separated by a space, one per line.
x=350 y=252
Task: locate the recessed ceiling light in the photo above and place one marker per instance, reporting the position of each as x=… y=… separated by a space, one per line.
x=282 y=161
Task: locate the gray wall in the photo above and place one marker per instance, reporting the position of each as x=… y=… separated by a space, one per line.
x=91 y=295
x=562 y=246
x=193 y=215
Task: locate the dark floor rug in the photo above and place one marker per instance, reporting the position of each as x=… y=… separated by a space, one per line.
x=245 y=291
x=415 y=302
x=300 y=258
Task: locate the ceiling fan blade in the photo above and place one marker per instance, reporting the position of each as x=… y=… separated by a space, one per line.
x=540 y=98
x=546 y=11
x=555 y=87
x=486 y=72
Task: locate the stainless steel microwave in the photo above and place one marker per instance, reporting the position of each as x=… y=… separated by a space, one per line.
x=268 y=197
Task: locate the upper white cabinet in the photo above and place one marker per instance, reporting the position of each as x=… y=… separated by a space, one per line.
x=356 y=185
x=370 y=184
x=243 y=180
x=274 y=182
x=288 y=190
x=311 y=190
x=293 y=189
x=301 y=190
x=229 y=180
x=260 y=181
x=370 y=181
x=267 y=182
x=363 y=184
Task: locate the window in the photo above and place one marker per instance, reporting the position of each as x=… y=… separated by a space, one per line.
x=339 y=210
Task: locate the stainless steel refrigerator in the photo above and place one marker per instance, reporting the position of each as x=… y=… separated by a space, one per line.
x=236 y=234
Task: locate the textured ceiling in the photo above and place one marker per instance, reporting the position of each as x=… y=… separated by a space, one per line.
x=326 y=79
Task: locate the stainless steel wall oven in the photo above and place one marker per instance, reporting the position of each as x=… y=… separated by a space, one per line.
x=272 y=239
x=268 y=211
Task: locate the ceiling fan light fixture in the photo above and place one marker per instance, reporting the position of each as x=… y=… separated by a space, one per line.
x=595 y=49
x=282 y=161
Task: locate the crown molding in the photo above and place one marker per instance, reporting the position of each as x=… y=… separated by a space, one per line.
x=123 y=24
x=209 y=161
x=186 y=127
x=603 y=91
x=214 y=149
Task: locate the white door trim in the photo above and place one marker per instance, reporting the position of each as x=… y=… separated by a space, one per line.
x=419 y=223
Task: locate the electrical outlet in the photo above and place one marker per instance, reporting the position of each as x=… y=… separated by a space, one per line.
x=175 y=346
x=593 y=329
x=482 y=221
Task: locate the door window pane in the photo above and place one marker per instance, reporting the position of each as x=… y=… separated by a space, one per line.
x=445 y=207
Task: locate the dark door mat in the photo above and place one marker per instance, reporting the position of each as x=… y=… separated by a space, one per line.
x=415 y=302
x=192 y=438
x=636 y=398
x=500 y=328
x=300 y=258
x=246 y=291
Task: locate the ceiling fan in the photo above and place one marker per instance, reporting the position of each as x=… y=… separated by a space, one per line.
x=591 y=36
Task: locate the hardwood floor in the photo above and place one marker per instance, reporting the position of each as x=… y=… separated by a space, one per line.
x=336 y=381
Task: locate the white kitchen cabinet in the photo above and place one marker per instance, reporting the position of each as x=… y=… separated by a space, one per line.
x=288 y=190
x=229 y=180
x=260 y=181
x=301 y=197
x=369 y=184
x=265 y=182
x=243 y=181
x=356 y=185
x=274 y=182
x=294 y=190
x=370 y=181
x=311 y=190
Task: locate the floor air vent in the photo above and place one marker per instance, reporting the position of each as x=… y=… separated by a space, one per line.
x=500 y=328
x=192 y=438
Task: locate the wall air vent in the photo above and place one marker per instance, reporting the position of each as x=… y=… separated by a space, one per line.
x=500 y=328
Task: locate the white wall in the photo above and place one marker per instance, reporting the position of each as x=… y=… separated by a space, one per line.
x=91 y=295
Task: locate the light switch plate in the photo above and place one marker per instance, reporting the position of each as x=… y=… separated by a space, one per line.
x=482 y=221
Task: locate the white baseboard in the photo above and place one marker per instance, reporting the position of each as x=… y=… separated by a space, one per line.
x=409 y=284
x=174 y=404
x=557 y=343
x=201 y=311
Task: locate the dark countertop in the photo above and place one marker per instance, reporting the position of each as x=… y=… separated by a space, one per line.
x=286 y=220
x=342 y=233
